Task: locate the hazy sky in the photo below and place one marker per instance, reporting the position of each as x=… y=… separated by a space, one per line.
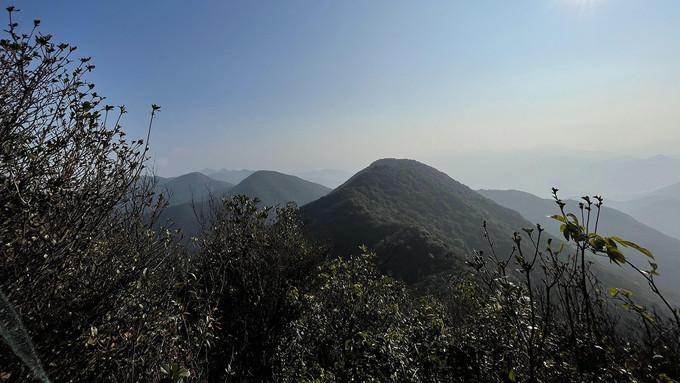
x=294 y=85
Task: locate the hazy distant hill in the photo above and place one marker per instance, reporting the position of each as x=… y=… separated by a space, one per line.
x=227 y=175
x=669 y=191
x=331 y=178
x=612 y=222
x=272 y=188
x=192 y=186
x=659 y=209
x=158 y=179
x=415 y=215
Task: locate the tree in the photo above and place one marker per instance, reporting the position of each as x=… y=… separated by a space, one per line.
x=249 y=260
x=359 y=325
x=74 y=213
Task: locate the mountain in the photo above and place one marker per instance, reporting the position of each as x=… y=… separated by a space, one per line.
x=417 y=219
x=227 y=175
x=668 y=191
x=274 y=188
x=157 y=180
x=331 y=178
x=612 y=222
x=659 y=209
x=190 y=187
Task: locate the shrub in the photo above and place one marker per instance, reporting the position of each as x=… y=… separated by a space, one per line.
x=78 y=256
x=360 y=325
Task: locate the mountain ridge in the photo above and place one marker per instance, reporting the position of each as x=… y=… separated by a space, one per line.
x=189 y=187
x=273 y=187
x=397 y=202
x=270 y=187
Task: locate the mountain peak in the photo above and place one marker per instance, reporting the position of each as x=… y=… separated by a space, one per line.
x=191 y=186
x=268 y=173
x=274 y=188
x=394 y=202
x=192 y=176
x=389 y=161
x=404 y=164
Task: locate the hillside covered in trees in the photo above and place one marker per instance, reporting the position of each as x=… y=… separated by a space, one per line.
x=415 y=216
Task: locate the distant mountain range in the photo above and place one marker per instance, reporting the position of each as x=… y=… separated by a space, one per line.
x=227 y=175
x=669 y=191
x=659 y=209
x=612 y=222
x=330 y=178
x=272 y=188
x=419 y=221
x=190 y=187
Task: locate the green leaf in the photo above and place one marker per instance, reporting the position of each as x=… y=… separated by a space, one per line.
x=648 y=316
x=633 y=245
x=610 y=242
x=512 y=375
x=615 y=291
x=616 y=255
x=596 y=242
x=558 y=218
x=573 y=217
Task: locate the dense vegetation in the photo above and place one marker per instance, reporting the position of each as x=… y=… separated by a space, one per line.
x=93 y=290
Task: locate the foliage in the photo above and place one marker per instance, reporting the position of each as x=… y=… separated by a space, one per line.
x=545 y=313
x=246 y=268
x=77 y=251
x=612 y=223
x=359 y=325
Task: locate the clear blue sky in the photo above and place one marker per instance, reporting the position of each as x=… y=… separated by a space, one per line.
x=294 y=85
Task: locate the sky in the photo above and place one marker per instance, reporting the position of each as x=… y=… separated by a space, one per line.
x=296 y=85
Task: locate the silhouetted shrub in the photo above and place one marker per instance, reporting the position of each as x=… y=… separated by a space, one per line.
x=78 y=256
